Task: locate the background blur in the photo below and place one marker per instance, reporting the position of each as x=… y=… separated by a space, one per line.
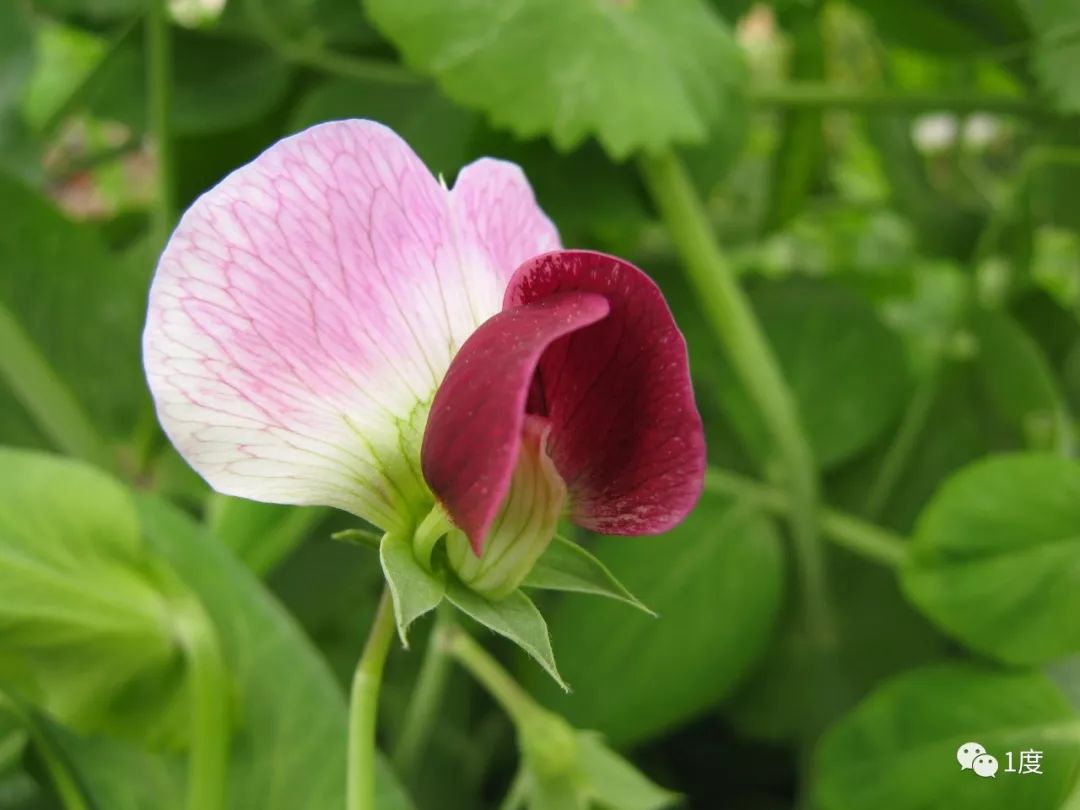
x=897 y=186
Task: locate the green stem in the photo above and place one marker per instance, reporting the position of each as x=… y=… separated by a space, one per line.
x=873 y=542
x=812 y=94
x=364 y=705
x=733 y=321
x=425 y=702
x=159 y=114
x=46 y=397
x=209 y=752
x=907 y=436
x=514 y=700
x=327 y=61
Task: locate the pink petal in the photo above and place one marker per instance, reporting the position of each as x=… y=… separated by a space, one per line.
x=626 y=435
x=474 y=431
x=307 y=307
x=587 y=341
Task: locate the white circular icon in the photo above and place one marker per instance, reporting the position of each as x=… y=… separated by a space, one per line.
x=985 y=765
x=966 y=754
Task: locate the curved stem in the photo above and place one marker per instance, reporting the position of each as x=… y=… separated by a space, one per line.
x=735 y=325
x=209 y=752
x=514 y=700
x=426 y=699
x=46 y=397
x=911 y=428
x=872 y=542
x=363 y=708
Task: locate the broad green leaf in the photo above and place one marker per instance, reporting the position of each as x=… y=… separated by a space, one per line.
x=82 y=305
x=261 y=534
x=637 y=76
x=1056 y=53
x=85 y=619
x=303 y=24
x=288 y=751
x=415 y=590
x=846 y=370
x=717 y=584
x=438 y=131
x=898 y=749
x=1020 y=382
x=566 y=566
x=995 y=560
x=515 y=618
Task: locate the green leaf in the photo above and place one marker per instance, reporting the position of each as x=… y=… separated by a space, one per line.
x=85 y=617
x=562 y=68
x=515 y=618
x=220 y=83
x=1020 y=382
x=82 y=305
x=995 y=560
x=566 y=566
x=1056 y=54
x=261 y=534
x=799 y=688
x=846 y=370
x=898 y=749
x=415 y=590
x=614 y=782
x=289 y=749
x=438 y=131
x=635 y=676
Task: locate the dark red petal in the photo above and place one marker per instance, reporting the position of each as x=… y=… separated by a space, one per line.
x=473 y=434
x=626 y=435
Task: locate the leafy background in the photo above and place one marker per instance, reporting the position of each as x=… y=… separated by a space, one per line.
x=893 y=184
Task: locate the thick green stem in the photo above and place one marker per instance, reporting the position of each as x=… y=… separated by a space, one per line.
x=46 y=397
x=159 y=113
x=208 y=755
x=733 y=321
x=363 y=708
x=425 y=702
x=514 y=700
x=872 y=542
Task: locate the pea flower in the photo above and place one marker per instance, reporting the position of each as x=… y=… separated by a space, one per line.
x=331 y=325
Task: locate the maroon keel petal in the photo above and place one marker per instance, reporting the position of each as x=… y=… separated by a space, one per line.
x=626 y=435
x=473 y=434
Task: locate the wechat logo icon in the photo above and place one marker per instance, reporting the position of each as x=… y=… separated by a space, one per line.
x=973 y=757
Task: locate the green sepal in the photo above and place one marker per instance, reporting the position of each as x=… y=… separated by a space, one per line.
x=414 y=589
x=566 y=566
x=598 y=778
x=359 y=537
x=515 y=618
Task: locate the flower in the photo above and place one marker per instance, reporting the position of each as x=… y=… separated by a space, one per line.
x=331 y=325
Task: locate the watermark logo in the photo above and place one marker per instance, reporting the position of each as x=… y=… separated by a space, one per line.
x=973 y=756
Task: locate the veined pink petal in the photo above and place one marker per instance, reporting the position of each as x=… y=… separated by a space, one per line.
x=587 y=341
x=307 y=307
x=626 y=435
x=474 y=430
